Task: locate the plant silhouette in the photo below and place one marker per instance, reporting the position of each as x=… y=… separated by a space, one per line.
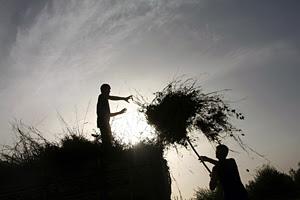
x=269 y=183
x=76 y=168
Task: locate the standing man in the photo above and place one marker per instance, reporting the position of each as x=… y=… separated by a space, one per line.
x=104 y=114
x=225 y=172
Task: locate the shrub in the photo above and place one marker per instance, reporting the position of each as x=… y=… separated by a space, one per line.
x=271 y=184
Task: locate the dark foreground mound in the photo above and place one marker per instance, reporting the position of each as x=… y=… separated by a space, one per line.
x=80 y=169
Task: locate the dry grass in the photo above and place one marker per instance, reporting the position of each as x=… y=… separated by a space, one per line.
x=182 y=106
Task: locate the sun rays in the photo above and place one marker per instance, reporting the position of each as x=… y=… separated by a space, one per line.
x=131 y=127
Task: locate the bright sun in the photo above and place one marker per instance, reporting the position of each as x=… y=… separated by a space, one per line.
x=131 y=127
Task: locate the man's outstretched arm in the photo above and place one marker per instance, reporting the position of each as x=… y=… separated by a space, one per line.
x=116 y=98
x=118 y=113
x=210 y=160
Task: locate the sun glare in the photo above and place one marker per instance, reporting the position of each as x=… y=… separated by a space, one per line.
x=131 y=127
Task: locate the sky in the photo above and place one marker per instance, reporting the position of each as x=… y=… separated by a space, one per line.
x=55 y=54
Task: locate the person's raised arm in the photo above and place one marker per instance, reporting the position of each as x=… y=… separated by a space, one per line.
x=118 y=113
x=116 y=98
x=210 y=160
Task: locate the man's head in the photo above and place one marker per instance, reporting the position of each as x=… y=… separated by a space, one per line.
x=222 y=152
x=105 y=89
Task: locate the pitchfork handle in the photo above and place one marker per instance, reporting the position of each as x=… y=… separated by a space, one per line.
x=199 y=157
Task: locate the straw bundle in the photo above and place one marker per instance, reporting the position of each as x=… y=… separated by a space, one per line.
x=182 y=106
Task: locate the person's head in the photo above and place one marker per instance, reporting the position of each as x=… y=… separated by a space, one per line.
x=222 y=152
x=105 y=89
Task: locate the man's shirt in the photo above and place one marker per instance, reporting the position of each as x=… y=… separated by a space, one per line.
x=226 y=172
x=103 y=110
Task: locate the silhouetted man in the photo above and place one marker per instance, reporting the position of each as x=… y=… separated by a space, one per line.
x=104 y=114
x=225 y=172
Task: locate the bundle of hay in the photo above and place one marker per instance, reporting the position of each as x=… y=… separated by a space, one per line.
x=182 y=107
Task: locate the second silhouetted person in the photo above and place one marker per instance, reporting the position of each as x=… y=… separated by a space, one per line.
x=225 y=172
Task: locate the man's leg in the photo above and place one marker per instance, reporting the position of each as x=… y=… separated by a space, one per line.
x=106 y=135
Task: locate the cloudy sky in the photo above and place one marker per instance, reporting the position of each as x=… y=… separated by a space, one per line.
x=55 y=54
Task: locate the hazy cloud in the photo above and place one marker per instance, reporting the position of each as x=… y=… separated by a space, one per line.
x=55 y=53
